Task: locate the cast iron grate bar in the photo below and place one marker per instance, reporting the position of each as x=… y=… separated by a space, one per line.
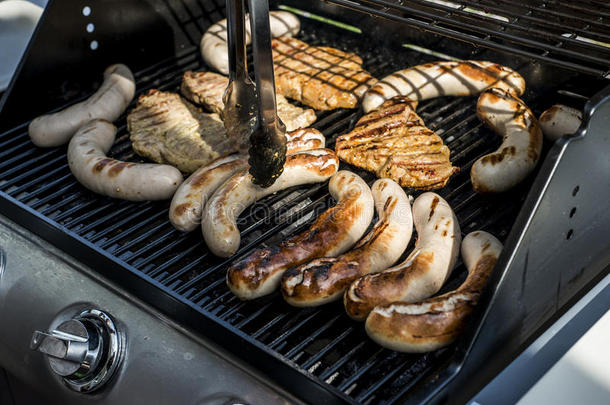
x=467 y=29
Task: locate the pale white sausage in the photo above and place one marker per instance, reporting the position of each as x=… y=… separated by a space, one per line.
x=108 y=102
x=436 y=322
x=520 y=151
x=424 y=271
x=446 y=78
x=219 y=224
x=194 y=192
x=103 y=175
x=214 y=47
x=324 y=280
x=332 y=233
x=192 y=195
x=559 y=120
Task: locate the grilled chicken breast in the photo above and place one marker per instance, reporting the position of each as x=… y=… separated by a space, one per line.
x=393 y=142
x=207 y=89
x=166 y=128
x=321 y=77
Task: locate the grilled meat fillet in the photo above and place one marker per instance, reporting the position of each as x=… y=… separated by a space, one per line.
x=207 y=89
x=321 y=77
x=393 y=142
x=166 y=128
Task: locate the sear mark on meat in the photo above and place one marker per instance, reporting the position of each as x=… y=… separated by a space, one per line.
x=207 y=89
x=321 y=77
x=393 y=142
x=166 y=128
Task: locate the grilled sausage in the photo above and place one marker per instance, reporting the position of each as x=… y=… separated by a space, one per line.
x=437 y=322
x=453 y=78
x=333 y=232
x=214 y=47
x=424 y=271
x=194 y=192
x=304 y=139
x=324 y=280
x=126 y=180
x=559 y=120
x=520 y=151
x=108 y=103
x=219 y=224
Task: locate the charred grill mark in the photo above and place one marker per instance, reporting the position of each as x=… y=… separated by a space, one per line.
x=299 y=55
x=495 y=158
x=389 y=204
x=116 y=167
x=101 y=164
x=182 y=209
x=433 y=205
x=388 y=112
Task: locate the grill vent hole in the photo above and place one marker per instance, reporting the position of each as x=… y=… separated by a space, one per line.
x=86 y=11
x=569 y=234
x=575 y=191
x=90 y=27
x=572 y=212
x=93 y=45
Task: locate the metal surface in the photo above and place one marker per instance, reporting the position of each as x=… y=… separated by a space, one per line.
x=531 y=365
x=70 y=348
x=163 y=363
x=267 y=153
x=240 y=113
x=2 y=263
x=86 y=350
x=573 y=35
x=319 y=354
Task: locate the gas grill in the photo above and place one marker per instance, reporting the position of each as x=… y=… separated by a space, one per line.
x=552 y=226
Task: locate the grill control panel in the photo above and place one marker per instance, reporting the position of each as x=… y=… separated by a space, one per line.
x=85 y=350
x=93 y=342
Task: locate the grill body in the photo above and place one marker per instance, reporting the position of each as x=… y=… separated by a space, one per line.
x=551 y=255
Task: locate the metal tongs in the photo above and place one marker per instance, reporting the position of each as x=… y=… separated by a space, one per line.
x=250 y=111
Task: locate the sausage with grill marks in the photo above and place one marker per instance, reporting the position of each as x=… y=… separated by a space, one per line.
x=192 y=195
x=219 y=221
x=436 y=322
x=453 y=78
x=324 y=280
x=333 y=232
x=108 y=102
x=559 y=120
x=424 y=271
x=126 y=180
x=194 y=192
x=520 y=151
x=214 y=46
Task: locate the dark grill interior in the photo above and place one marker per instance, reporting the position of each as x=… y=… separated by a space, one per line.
x=571 y=34
x=322 y=342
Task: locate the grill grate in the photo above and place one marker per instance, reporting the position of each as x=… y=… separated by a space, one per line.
x=323 y=343
x=573 y=35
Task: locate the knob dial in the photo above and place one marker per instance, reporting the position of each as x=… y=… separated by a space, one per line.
x=85 y=350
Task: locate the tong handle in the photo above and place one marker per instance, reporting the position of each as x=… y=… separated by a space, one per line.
x=263 y=63
x=236 y=40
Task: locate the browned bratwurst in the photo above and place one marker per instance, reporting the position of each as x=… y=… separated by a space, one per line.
x=424 y=271
x=436 y=322
x=333 y=232
x=324 y=280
